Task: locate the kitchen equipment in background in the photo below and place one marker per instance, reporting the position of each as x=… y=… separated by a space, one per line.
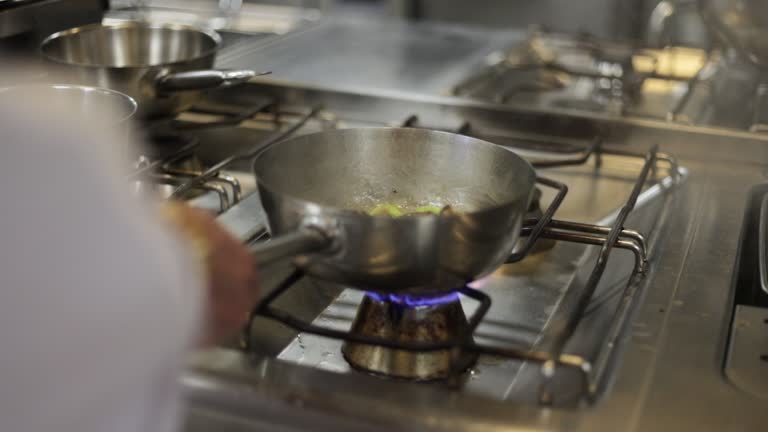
x=612 y=19
x=233 y=19
x=40 y=18
x=163 y=67
x=741 y=25
x=584 y=73
x=24 y=23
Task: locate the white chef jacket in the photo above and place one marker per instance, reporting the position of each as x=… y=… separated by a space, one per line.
x=98 y=299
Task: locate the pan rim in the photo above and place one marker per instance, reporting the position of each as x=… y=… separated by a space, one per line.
x=128 y=101
x=213 y=35
x=530 y=171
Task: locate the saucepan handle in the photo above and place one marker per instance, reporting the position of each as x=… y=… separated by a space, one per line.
x=204 y=79
x=305 y=240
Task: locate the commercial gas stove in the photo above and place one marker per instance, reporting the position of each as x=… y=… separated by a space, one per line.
x=622 y=308
x=634 y=300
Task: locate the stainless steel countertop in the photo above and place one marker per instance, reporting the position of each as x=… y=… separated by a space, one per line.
x=356 y=53
x=670 y=374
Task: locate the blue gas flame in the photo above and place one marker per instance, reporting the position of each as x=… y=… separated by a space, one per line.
x=414 y=301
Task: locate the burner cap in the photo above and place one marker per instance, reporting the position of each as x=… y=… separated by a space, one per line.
x=408 y=320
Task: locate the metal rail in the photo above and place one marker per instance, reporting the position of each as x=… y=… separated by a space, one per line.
x=229 y=119
x=593 y=149
x=145 y=168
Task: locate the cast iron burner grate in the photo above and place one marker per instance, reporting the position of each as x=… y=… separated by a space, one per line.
x=175 y=165
x=572 y=306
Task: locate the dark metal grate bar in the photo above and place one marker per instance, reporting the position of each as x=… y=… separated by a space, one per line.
x=182 y=152
x=582 y=300
x=541 y=224
x=213 y=170
x=229 y=119
x=624 y=80
x=594 y=148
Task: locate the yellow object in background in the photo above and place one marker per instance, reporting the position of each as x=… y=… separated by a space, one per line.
x=396 y=211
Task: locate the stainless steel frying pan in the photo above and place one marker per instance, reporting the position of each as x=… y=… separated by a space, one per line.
x=316 y=190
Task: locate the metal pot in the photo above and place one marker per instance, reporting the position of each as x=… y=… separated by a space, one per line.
x=84 y=99
x=162 y=66
x=316 y=190
x=91 y=104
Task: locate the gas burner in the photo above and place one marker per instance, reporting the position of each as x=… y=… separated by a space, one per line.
x=565 y=71
x=407 y=320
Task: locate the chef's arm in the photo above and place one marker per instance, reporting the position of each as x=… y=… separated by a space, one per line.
x=99 y=298
x=226 y=266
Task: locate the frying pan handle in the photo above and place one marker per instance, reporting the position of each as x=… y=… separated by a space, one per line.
x=204 y=79
x=305 y=240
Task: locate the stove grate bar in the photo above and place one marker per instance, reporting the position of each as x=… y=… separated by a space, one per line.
x=249 y=155
x=594 y=148
x=228 y=118
x=144 y=166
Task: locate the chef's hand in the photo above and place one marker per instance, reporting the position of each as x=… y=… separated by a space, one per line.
x=231 y=271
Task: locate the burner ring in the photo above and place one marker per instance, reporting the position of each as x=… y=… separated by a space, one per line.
x=409 y=320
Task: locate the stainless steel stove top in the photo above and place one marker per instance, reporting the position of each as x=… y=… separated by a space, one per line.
x=527 y=297
x=671 y=364
x=666 y=364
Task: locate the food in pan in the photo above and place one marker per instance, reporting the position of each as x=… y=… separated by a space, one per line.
x=394 y=210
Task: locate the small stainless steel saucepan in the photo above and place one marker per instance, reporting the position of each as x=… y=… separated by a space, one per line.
x=317 y=190
x=114 y=110
x=163 y=67
x=84 y=99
